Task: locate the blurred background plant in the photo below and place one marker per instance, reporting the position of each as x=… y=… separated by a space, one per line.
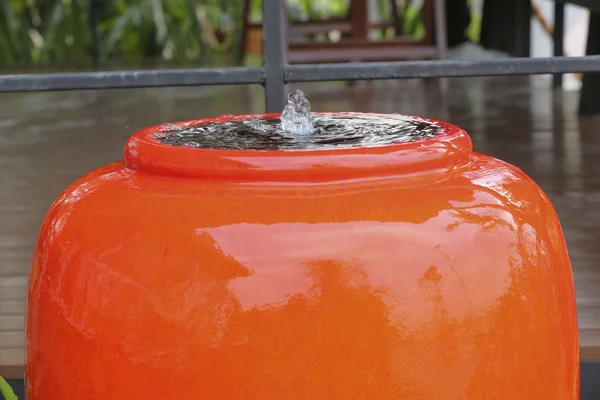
x=58 y=32
x=50 y=32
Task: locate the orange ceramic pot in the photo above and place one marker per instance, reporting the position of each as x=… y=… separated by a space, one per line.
x=417 y=270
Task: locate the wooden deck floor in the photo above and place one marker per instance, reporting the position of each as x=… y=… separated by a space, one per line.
x=49 y=139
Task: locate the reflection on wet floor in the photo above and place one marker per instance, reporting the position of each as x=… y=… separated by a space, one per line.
x=49 y=139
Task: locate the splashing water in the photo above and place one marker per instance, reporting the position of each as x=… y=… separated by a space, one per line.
x=298 y=129
x=330 y=131
x=296 y=117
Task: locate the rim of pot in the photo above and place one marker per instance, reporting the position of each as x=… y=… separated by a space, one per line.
x=144 y=152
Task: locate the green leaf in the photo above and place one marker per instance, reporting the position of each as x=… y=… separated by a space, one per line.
x=117 y=31
x=49 y=31
x=6 y=390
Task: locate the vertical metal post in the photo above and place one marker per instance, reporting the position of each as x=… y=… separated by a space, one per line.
x=441 y=31
x=558 y=37
x=274 y=49
x=441 y=38
x=93 y=18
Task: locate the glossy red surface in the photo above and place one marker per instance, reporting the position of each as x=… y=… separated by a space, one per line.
x=412 y=271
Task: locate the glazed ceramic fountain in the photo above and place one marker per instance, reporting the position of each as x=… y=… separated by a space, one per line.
x=325 y=256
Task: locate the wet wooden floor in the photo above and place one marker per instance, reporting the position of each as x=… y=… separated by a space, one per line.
x=49 y=139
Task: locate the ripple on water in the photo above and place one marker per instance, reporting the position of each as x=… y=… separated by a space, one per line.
x=331 y=132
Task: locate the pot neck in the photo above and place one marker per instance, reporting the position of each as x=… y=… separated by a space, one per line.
x=145 y=153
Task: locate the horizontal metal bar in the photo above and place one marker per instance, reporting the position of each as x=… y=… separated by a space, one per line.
x=438 y=69
x=131 y=79
x=296 y=73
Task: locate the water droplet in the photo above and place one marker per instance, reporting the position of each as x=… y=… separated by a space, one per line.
x=296 y=117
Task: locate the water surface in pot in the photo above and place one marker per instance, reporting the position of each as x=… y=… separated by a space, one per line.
x=298 y=129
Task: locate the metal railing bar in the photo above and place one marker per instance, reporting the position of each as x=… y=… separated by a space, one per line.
x=294 y=73
x=131 y=79
x=439 y=69
x=274 y=50
x=558 y=38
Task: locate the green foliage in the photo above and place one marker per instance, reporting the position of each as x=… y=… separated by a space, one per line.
x=59 y=31
x=474 y=29
x=414 y=26
x=6 y=391
x=413 y=22
x=43 y=31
